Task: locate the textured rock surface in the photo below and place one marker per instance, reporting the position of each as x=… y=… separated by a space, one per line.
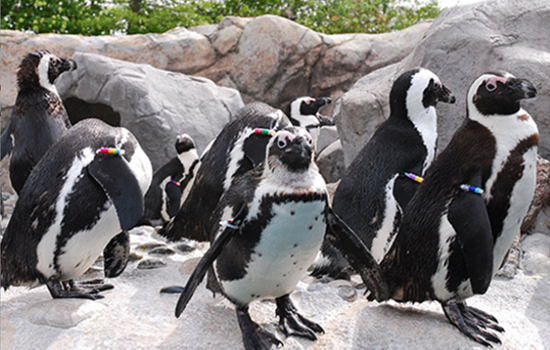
x=462 y=43
x=269 y=58
x=154 y=104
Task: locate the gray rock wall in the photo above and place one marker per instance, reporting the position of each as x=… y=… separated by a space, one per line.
x=462 y=43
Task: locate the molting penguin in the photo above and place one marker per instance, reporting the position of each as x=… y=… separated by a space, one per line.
x=374 y=191
x=39 y=118
x=304 y=112
x=275 y=217
x=236 y=150
x=77 y=198
x=452 y=242
x=172 y=182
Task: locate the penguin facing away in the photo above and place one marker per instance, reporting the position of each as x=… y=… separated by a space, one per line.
x=39 y=118
x=171 y=182
x=76 y=199
x=235 y=151
x=452 y=242
x=374 y=191
x=275 y=217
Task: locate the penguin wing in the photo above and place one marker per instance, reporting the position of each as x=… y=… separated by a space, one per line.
x=173 y=193
x=116 y=254
x=114 y=175
x=469 y=218
x=207 y=260
x=341 y=236
x=6 y=141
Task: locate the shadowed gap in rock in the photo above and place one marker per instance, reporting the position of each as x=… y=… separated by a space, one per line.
x=79 y=110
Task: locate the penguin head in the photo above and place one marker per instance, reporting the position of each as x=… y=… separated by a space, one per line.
x=304 y=112
x=499 y=93
x=417 y=90
x=40 y=69
x=292 y=148
x=184 y=143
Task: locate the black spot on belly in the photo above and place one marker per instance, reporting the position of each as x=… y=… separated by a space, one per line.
x=295 y=245
x=277 y=285
x=260 y=255
x=292 y=213
x=284 y=274
x=291 y=255
x=316 y=218
x=294 y=263
x=311 y=227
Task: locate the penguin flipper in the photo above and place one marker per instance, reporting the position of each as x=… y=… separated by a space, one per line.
x=469 y=218
x=116 y=254
x=114 y=175
x=204 y=265
x=342 y=237
x=6 y=143
x=173 y=192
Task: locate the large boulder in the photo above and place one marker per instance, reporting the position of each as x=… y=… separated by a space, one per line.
x=269 y=58
x=154 y=104
x=461 y=44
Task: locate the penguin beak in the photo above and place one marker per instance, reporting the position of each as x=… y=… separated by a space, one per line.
x=519 y=89
x=298 y=154
x=67 y=65
x=318 y=103
x=445 y=95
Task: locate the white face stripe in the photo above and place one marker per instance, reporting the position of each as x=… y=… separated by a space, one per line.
x=304 y=120
x=42 y=71
x=424 y=119
x=236 y=155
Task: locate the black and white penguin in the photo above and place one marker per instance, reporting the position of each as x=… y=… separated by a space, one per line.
x=235 y=151
x=273 y=221
x=374 y=191
x=452 y=242
x=304 y=112
x=39 y=118
x=76 y=199
x=172 y=182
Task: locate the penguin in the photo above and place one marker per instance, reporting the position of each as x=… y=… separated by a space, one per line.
x=304 y=112
x=39 y=118
x=462 y=220
x=236 y=150
x=374 y=191
x=85 y=190
x=171 y=182
x=274 y=218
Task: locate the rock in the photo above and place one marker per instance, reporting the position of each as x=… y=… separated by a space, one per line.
x=189 y=265
x=345 y=290
x=536 y=254
x=150 y=263
x=295 y=61
x=511 y=264
x=331 y=162
x=142 y=231
x=149 y=246
x=539 y=213
x=327 y=135
x=162 y=251
x=186 y=247
x=63 y=313
x=462 y=43
x=155 y=105
x=134 y=257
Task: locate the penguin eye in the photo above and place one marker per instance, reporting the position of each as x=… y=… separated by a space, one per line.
x=491 y=86
x=281 y=143
x=309 y=140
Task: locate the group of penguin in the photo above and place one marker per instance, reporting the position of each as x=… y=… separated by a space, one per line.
x=414 y=225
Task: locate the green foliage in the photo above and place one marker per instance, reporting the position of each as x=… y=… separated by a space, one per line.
x=93 y=17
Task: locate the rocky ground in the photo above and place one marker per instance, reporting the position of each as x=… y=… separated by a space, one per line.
x=134 y=315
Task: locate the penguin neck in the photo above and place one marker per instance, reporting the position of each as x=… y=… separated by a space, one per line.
x=425 y=122
x=187 y=158
x=279 y=175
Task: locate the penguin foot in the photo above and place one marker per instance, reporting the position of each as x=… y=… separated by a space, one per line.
x=254 y=337
x=68 y=289
x=292 y=323
x=472 y=322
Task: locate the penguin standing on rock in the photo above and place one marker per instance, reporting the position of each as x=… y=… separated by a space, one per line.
x=273 y=221
x=85 y=190
x=375 y=190
x=462 y=220
x=39 y=118
x=236 y=150
x=172 y=182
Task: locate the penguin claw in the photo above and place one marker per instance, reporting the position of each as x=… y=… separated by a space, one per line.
x=472 y=322
x=69 y=289
x=292 y=323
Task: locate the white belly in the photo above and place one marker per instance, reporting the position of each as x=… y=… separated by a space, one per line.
x=387 y=232
x=288 y=246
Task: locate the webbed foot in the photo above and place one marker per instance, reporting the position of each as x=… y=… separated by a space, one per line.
x=254 y=337
x=292 y=323
x=472 y=322
x=70 y=289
